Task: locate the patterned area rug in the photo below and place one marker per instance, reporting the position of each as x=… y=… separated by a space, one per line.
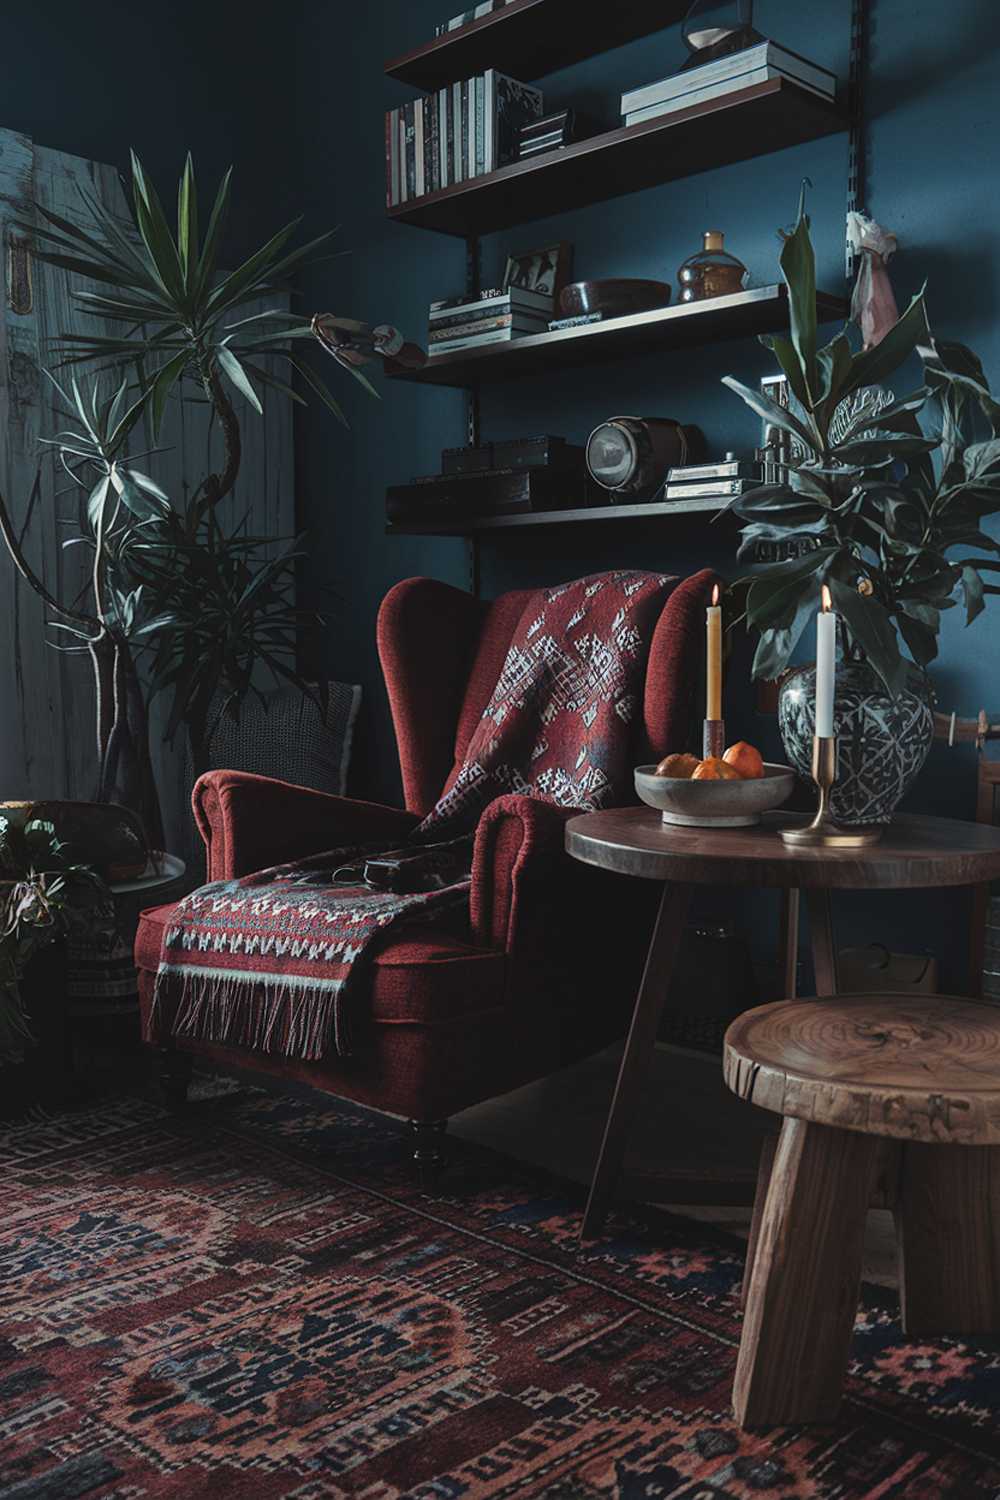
x=256 y=1300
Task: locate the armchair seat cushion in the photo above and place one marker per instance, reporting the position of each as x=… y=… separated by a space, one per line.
x=423 y=976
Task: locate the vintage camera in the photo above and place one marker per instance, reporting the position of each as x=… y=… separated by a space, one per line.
x=630 y=456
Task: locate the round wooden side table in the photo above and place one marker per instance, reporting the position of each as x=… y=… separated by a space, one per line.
x=915 y=852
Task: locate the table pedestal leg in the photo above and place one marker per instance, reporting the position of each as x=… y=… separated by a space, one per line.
x=824 y=951
x=674 y=904
x=788 y=941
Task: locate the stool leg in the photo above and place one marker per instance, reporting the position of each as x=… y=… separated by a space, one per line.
x=803 y=1292
x=765 y=1166
x=948 y=1224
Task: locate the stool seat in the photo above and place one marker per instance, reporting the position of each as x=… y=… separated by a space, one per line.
x=902 y=1089
x=909 y=1067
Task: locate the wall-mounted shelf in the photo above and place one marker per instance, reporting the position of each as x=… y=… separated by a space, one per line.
x=476 y=525
x=529 y=38
x=752 y=122
x=741 y=315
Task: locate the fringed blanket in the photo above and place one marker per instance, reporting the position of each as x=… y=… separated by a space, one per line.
x=272 y=961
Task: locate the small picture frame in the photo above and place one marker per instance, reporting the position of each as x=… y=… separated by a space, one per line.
x=546 y=271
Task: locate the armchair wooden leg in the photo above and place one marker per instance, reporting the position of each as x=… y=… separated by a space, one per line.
x=428 y=1157
x=948 y=1226
x=803 y=1288
x=174 y=1073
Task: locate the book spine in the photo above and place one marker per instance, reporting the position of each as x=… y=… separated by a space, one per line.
x=411 y=153
x=517 y=300
x=401 y=152
x=480 y=126
x=443 y=137
x=465 y=130
x=456 y=144
x=489 y=117
x=501 y=336
x=471 y=148
x=715 y=91
x=429 y=144
x=466 y=330
x=434 y=148
x=390 y=159
x=478 y=315
x=418 y=146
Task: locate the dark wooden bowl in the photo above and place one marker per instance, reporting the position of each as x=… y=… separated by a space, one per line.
x=614 y=298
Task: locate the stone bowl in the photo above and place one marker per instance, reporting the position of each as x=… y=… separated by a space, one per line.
x=714 y=804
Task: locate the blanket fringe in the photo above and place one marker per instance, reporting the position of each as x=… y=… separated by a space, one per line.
x=282 y=1017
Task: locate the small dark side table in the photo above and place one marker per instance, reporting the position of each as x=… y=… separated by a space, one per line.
x=915 y=852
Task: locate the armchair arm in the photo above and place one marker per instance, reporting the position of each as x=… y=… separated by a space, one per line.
x=519 y=859
x=250 y=822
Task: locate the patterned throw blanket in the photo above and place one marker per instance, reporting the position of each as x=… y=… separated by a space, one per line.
x=272 y=961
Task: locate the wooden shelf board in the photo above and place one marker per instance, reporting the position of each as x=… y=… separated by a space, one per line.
x=473 y=525
x=529 y=38
x=752 y=122
x=740 y=315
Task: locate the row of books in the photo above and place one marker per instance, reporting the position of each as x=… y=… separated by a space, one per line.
x=727 y=75
x=495 y=317
x=485 y=8
x=460 y=131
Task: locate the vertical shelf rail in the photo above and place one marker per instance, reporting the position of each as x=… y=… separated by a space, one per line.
x=473 y=278
x=857 y=143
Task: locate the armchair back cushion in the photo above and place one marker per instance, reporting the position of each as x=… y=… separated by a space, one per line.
x=442 y=652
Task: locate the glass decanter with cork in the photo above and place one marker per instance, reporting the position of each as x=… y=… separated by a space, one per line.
x=712 y=271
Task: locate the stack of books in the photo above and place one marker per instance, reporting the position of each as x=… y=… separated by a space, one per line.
x=725 y=480
x=461 y=131
x=554 y=131
x=727 y=75
x=495 y=317
x=485 y=8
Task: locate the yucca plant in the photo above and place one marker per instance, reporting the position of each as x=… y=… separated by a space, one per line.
x=888 y=503
x=159 y=573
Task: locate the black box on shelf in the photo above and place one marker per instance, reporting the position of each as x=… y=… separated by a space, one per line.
x=496 y=492
x=538 y=452
x=467 y=460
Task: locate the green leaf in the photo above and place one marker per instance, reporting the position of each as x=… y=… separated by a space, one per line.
x=771 y=412
x=232 y=368
x=871 y=627
x=798 y=267
x=921 y=639
x=972 y=590
x=784 y=352
x=187 y=221
x=213 y=237
x=319 y=388
x=774 y=591
x=163 y=384
x=96 y=503
x=156 y=234
x=875 y=366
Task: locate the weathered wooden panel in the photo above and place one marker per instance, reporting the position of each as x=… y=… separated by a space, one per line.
x=47 y=734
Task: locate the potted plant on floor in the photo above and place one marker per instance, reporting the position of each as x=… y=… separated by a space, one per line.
x=45 y=895
x=886 y=501
x=164 y=576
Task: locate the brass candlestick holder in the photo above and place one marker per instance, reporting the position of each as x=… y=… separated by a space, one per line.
x=713 y=740
x=823 y=832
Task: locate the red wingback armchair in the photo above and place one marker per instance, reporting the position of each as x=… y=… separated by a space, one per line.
x=544 y=971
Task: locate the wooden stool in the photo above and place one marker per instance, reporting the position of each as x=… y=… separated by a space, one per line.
x=906 y=1084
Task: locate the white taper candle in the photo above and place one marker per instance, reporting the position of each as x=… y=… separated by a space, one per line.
x=826 y=666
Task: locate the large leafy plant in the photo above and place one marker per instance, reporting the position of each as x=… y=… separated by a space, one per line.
x=212 y=605
x=45 y=895
x=886 y=506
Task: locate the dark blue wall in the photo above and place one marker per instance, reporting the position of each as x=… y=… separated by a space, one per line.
x=94 y=80
x=933 y=158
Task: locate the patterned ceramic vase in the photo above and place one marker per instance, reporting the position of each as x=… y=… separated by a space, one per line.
x=883 y=743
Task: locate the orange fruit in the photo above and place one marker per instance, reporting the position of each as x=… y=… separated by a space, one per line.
x=680 y=767
x=747 y=760
x=714 y=769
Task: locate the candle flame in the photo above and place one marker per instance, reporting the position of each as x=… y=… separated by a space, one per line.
x=827 y=601
x=716 y=595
